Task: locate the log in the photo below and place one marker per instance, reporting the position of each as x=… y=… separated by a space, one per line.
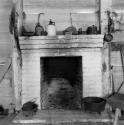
x=117 y=113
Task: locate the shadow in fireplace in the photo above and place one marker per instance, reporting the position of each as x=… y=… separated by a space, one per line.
x=61 y=82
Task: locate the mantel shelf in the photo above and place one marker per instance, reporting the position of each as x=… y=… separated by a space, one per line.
x=73 y=41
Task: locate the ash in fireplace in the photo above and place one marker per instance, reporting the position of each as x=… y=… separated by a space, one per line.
x=58 y=93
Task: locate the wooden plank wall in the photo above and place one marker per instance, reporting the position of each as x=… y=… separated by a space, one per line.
x=117 y=70
x=5 y=41
x=118 y=6
x=59 y=11
x=6 y=91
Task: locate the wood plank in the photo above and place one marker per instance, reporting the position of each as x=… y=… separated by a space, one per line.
x=117 y=4
x=105 y=5
x=54 y=9
x=33 y=11
x=5 y=69
x=90 y=37
x=59 y=117
x=51 y=46
x=5 y=7
x=17 y=77
x=8 y=119
x=60 y=4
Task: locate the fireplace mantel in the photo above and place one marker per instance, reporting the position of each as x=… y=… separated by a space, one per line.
x=93 y=58
x=73 y=41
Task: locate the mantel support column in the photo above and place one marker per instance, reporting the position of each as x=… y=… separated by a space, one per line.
x=17 y=79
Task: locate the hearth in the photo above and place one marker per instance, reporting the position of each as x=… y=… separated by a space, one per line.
x=61 y=82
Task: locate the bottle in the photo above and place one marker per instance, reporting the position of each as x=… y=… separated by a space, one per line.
x=51 y=28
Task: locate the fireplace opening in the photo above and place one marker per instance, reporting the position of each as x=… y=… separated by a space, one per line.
x=61 y=82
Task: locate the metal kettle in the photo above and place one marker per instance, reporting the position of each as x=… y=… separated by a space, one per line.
x=71 y=29
x=39 y=30
x=92 y=30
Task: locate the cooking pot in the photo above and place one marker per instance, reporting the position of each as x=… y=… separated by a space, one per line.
x=94 y=104
x=92 y=30
x=108 y=37
x=71 y=30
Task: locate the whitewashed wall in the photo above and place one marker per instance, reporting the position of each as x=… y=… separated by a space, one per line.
x=83 y=13
x=118 y=6
x=92 y=73
x=6 y=91
x=5 y=39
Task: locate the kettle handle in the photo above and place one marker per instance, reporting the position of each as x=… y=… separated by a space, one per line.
x=39 y=17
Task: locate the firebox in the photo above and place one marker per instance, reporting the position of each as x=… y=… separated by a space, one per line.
x=61 y=82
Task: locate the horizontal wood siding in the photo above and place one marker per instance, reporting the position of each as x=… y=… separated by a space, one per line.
x=118 y=4
x=60 y=4
x=6 y=89
x=62 y=20
x=83 y=13
x=107 y=87
x=117 y=70
x=5 y=39
x=31 y=78
x=6 y=93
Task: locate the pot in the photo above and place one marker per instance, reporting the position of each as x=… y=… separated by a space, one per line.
x=39 y=30
x=71 y=30
x=94 y=104
x=92 y=30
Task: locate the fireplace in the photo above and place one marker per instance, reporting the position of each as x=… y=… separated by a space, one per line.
x=58 y=72
x=61 y=82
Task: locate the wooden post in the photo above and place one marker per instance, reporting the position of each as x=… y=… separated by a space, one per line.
x=117 y=114
x=106 y=70
x=17 y=79
x=16 y=57
x=19 y=10
x=17 y=76
x=105 y=5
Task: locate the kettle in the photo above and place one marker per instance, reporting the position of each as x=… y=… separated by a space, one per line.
x=39 y=30
x=92 y=30
x=51 y=28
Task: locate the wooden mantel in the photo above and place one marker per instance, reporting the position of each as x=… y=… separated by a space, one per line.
x=33 y=45
x=74 y=41
x=89 y=47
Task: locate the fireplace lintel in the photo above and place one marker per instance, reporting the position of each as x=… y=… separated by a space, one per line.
x=75 y=41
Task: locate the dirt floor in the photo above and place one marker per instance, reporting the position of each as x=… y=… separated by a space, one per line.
x=7 y=120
